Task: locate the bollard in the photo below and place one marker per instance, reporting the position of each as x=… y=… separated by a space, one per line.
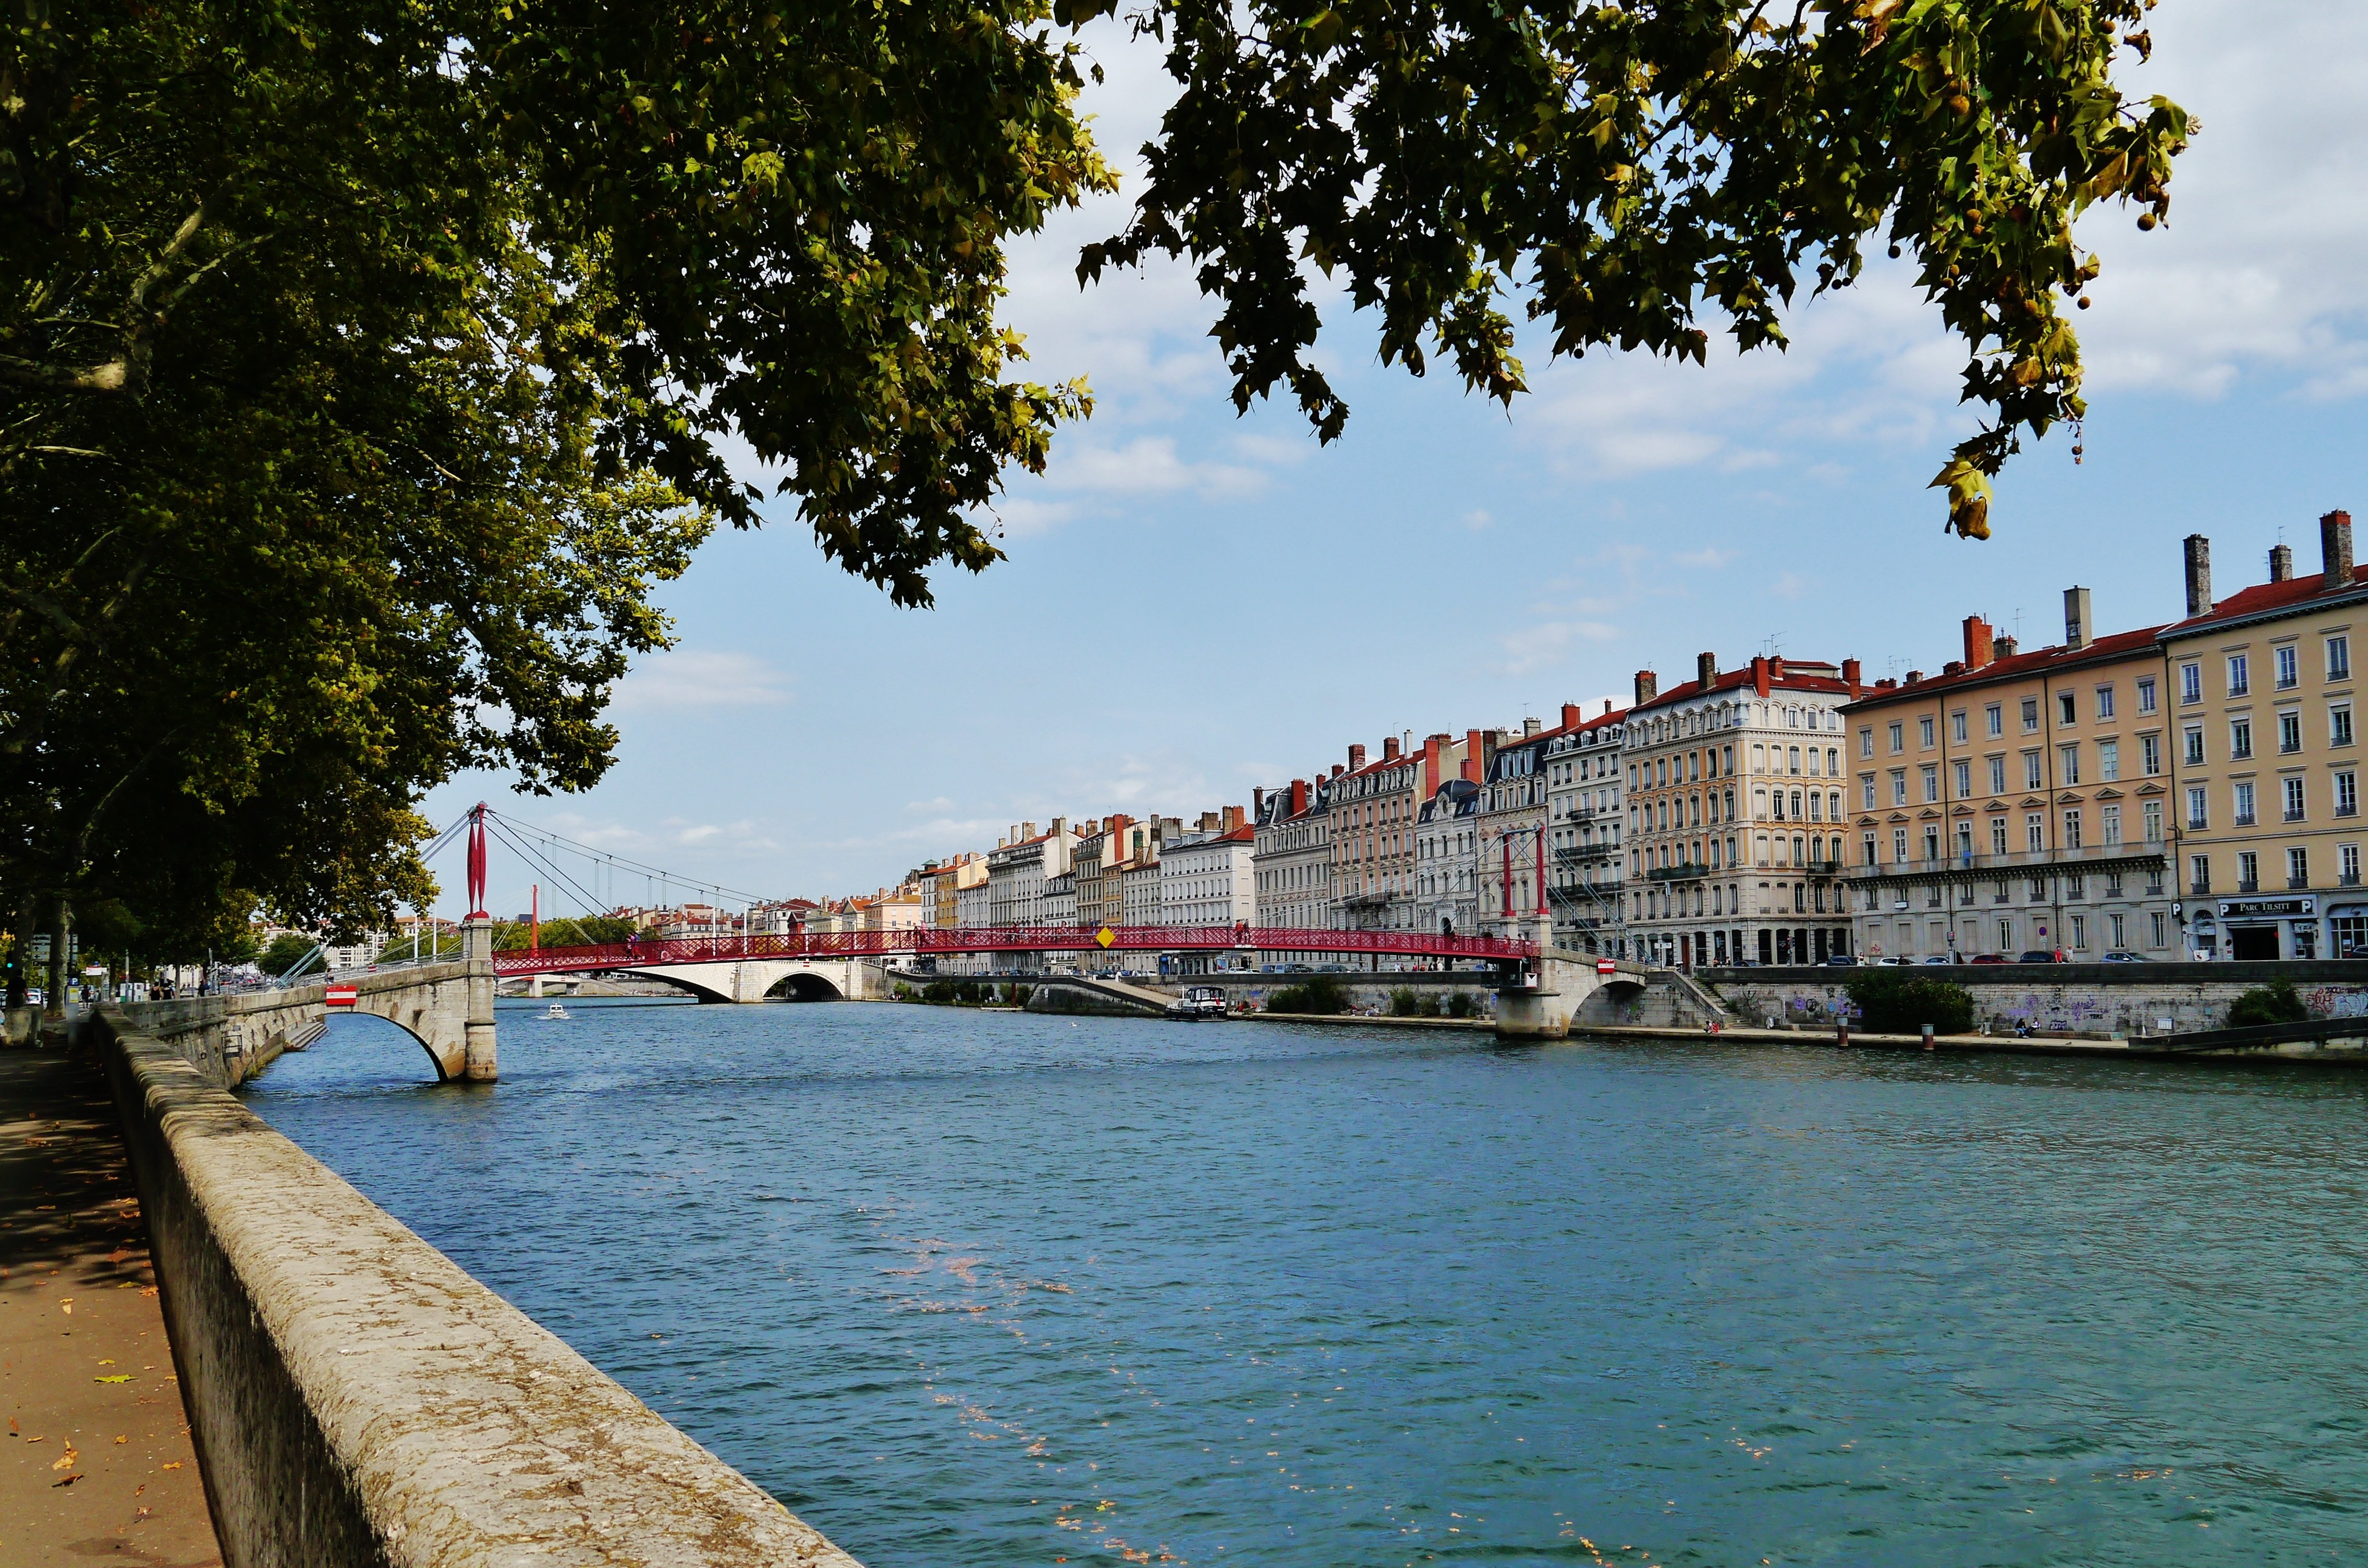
x=1841 y=1033
x=1927 y=1037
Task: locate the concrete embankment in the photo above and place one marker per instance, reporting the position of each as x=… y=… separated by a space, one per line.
x=356 y=1398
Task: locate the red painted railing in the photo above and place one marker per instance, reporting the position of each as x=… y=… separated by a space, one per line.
x=1007 y=940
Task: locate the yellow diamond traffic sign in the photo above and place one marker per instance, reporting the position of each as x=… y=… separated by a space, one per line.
x=1105 y=937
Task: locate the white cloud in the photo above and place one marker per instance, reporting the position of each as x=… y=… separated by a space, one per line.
x=1710 y=558
x=696 y=677
x=1148 y=465
x=1478 y=519
x=1548 y=643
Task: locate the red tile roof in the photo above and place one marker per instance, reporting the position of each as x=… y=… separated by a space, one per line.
x=1780 y=677
x=2265 y=598
x=2039 y=661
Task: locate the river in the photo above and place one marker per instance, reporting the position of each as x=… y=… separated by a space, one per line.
x=972 y=1290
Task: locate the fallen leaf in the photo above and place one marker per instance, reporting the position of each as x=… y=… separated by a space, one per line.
x=123 y=1439
x=172 y=1464
x=66 y=1306
x=68 y=1480
x=115 y=1378
x=66 y=1462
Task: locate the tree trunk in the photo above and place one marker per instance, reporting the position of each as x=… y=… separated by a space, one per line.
x=60 y=932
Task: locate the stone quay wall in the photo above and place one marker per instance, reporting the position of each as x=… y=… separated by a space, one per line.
x=2100 y=999
x=357 y=1399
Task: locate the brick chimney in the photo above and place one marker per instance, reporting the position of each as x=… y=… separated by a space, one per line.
x=1389 y=748
x=1337 y=769
x=1478 y=747
x=1356 y=758
x=1648 y=686
x=2281 y=563
x=2006 y=647
x=1258 y=805
x=1470 y=769
x=1706 y=671
x=1572 y=716
x=1298 y=796
x=1607 y=708
x=2335 y=548
x=1027 y=832
x=2199 y=576
x=1852 y=674
x=2079 y=630
x=1981 y=645
x=1914 y=677
x=1760 y=673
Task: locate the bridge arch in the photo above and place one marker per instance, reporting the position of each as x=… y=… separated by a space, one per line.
x=681 y=981
x=1613 y=1002
x=804 y=986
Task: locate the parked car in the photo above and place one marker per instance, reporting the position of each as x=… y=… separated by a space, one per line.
x=1944 y=958
x=2126 y=957
x=1842 y=960
x=1988 y=958
x=2035 y=956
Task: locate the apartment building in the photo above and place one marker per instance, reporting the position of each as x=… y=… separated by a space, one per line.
x=1732 y=789
x=1511 y=877
x=2259 y=687
x=1207 y=877
x=1291 y=857
x=2017 y=802
x=1373 y=807
x=1447 y=856
x=1585 y=859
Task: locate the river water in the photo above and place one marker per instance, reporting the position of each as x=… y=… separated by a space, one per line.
x=988 y=1289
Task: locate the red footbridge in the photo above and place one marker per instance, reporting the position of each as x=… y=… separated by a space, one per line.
x=643 y=954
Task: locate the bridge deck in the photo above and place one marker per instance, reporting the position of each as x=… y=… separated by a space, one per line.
x=1009 y=939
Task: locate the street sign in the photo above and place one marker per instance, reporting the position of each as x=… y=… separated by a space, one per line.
x=341 y=996
x=1605 y=966
x=1105 y=937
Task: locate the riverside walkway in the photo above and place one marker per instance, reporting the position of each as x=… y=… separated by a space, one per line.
x=97 y=1463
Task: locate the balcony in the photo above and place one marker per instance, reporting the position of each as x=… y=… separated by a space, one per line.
x=2294 y=884
x=1686 y=873
x=2012 y=860
x=2348 y=880
x=2249 y=884
x=2293 y=816
x=2244 y=819
x=2199 y=888
x=1586 y=854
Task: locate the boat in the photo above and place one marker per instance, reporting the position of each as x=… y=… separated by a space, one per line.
x=555 y=1011
x=1199 y=1002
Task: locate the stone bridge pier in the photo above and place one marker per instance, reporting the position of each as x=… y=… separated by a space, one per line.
x=1548 y=996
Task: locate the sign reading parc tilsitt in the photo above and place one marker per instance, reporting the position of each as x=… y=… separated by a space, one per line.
x=2253 y=908
x=341 y=996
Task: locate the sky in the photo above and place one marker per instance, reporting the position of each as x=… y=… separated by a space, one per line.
x=1196 y=604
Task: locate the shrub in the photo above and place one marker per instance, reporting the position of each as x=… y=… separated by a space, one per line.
x=904 y=992
x=967 y=992
x=1458 y=1005
x=1402 y=1002
x=1018 y=995
x=938 y=991
x=2276 y=1002
x=1427 y=1007
x=1289 y=999
x=1321 y=995
x=1889 y=1003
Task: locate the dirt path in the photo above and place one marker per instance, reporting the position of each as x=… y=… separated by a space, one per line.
x=95 y=1464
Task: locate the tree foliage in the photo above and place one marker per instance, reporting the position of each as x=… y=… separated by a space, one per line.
x=1890 y=1001
x=2276 y=1002
x=1633 y=174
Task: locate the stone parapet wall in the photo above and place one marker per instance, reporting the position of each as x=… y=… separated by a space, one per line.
x=357 y=1399
x=2125 y=1000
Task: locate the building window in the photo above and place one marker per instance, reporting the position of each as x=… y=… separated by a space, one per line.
x=2289 y=667
x=2110 y=823
x=2338 y=658
x=1931 y=771
x=1899 y=846
x=2293 y=799
x=2156 y=934
x=2113 y=882
x=2034 y=833
x=2150 y=755
x=1898 y=739
x=1793 y=760
x=2199 y=872
x=1932 y=852
x=1964 y=780
x=2244 y=817
x=2289 y=733
x=2006 y=936
x=1994 y=716
x=2037 y=890
x=1957 y=726
x=2072 y=827
x=2194 y=745
x=2153 y=822
x=2197 y=815
x=2070 y=757
x=1866 y=740
x=2339 y=724
x=1869 y=846
x=2109 y=761
x=2104 y=702
x=2346 y=858
x=2240 y=739
x=1924 y=732
x=2297 y=868
x=2029 y=714
x=1997 y=776
x=2031 y=771
x=2240 y=674
x=2190 y=683
x=2347 y=793
x=1997 y=835
x=2079 y=932
x=2068 y=708
x=2249 y=871
x=1899 y=786
x=1866 y=790
x=2146 y=694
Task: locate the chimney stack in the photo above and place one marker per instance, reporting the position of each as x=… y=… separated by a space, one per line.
x=2281 y=563
x=1607 y=708
x=1356 y=757
x=1648 y=686
x=1705 y=670
x=1572 y=716
x=1472 y=770
x=1298 y=796
x=2078 y=629
x=2335 y=546
x=1389 y=748
x=2199 y=576
x=1761 y=676
x=1981 y=645
x=1337 y=769
x=1257 y=805
x=1851 y=674
x=2005 y=646
x=1530 y=727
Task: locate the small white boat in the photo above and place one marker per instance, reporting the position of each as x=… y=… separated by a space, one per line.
x=555 y=1011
